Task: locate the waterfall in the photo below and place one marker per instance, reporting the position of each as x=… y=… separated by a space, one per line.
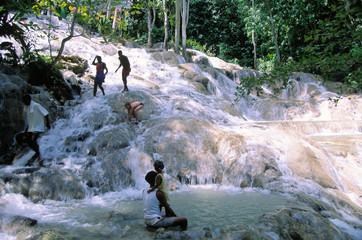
x=298 y=142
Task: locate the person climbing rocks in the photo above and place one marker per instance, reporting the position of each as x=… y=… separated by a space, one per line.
x=36 y=119
x=100 y=76
x=123 y=61
x=132 y=109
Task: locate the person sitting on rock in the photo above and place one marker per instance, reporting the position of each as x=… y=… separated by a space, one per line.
x=151 y=208
x=160 y=182
x=132 y=109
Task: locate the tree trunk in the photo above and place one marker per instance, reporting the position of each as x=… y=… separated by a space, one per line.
x=61 y=49
x=177 y=25
x=273 y=31
x=115 y=20
x=109 y=8
x=165 y=24
x=253 y=38
x=151 y=17
x=185 y=19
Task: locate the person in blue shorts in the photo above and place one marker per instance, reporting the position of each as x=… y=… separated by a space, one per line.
x=101 y=75
x=151 y=207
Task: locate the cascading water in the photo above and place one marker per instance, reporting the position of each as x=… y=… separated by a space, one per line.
x=293 y=144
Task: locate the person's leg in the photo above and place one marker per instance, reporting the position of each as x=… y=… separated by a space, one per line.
x=135 y=116
x=172 y=222
x=33 y=144
x=95 y=89
x=124 y=79
x=180 y=221
x=139 y=107
x=100 y=86
x=20 y=138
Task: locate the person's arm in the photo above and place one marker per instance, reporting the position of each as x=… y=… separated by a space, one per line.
x=105 y=67
x=25 y=118
x=47 y=121
x=120 y=65
x=157 y=183
x=94 y=61
x=129 y=115
x=161 y=197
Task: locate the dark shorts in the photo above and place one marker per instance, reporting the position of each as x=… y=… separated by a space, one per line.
x=125 y=72
x=99 y=78
x=25 y=137
x=164 y=222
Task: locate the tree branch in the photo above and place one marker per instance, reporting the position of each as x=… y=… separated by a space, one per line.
x=67 y=38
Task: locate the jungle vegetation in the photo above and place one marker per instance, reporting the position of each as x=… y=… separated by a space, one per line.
x=273 y=36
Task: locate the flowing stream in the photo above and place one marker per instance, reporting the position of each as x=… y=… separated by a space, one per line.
x=298 y=117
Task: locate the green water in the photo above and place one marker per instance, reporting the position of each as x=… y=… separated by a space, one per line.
x=120 y=215
x=217 y=208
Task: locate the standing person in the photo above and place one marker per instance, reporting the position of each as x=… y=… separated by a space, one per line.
x=132 y=109
x=160 y=183
x=100 y=76
x=151 y=208
x=34 y=115
x=123 y=61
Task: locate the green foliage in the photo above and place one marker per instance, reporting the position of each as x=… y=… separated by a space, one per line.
x=334 y=47
x=323 y=37
x=277 y=79
x=268 y=63
x=134 y=23
x=195 y=45
x=11 y=26
x=216 y=25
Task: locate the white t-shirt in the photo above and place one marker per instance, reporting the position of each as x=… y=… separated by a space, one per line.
x=151 y=205
x=34 y=117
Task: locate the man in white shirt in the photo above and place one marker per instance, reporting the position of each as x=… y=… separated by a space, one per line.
x=34 y=115
x=152 y=203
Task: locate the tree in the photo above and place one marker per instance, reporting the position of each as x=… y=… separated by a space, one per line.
x=185 y=19
x=334 y=46
x=78 y=9
x=218 y=27
x=165 y=24
x=14 y=26
x=109 y=4
x=177 y=25
x=253 y=38
x=70 y=36
x=151 y=18
x=273 y=31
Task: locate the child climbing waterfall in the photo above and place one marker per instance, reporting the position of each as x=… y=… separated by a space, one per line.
x=132 y=109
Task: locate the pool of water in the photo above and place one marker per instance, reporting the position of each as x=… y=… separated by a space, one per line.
x=216 y=208
x=120 y=214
